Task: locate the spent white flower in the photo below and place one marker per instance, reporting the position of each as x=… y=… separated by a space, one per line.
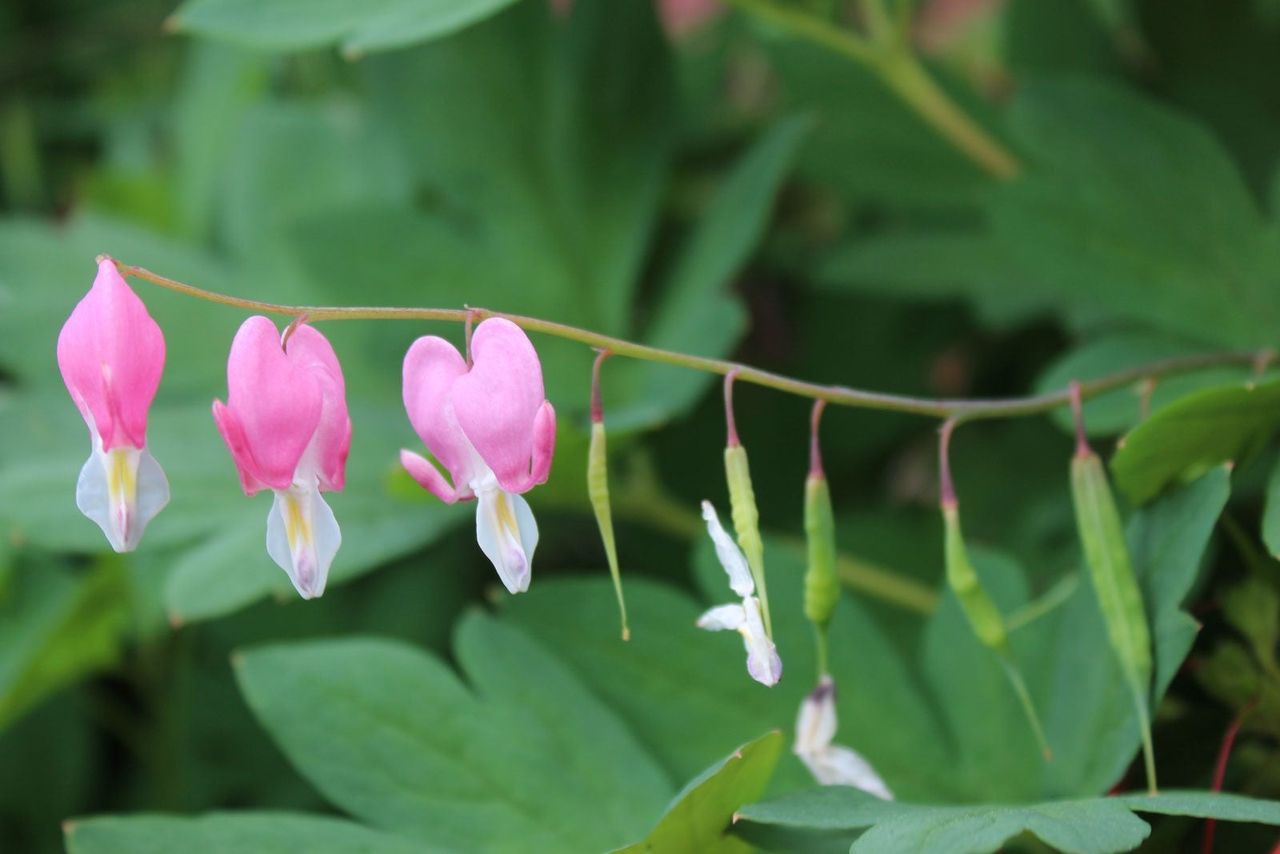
x=832 y=764
x=763 y=662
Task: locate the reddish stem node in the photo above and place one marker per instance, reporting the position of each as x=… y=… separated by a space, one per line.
x=815 y=449
x=290 y=329
x=1220 y=767
x=1077 y=413
x=597 y=407
x=466 y=333
x=946 y=487
x=731 y=425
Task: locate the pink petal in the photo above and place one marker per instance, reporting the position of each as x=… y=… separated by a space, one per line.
x=432 y=367
x=111 y=354
x=233 y=435
x=331 y=444
x=277 y=403
x=498 y=401
x=429 y=477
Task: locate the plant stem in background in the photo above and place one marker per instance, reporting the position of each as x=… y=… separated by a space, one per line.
x=887 y=52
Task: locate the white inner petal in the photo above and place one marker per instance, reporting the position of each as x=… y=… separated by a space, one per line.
x=121 y=490
x=303 y=537
x=507 y=533
x=763 y=662
x=728 y=553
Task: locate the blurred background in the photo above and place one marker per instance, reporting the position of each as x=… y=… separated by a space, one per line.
x=687 y=174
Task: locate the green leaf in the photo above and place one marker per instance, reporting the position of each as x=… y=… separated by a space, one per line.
x=869 y=145
x=1271 y=513
x=260 y=832
x=1093 y=826
x=1121 y=409
x=1168 y=540
x=936 y=265
x=687 y=694
x=291 y=159
x=1200 y=430
x=55 y=627
x=699 y=816
x=696 y=313
x=363 y=27
x=502 y=766
x=1129 y=208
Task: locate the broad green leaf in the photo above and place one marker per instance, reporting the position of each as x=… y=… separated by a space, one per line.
x=1223 y=424
x=219 y=85
x=395 y=738
x=1121 y=409
x=695 y=312
x=290 y=159
x=56 y=626
x=699 y=817
x=1129 y=208
x=1093 y=826
x=364 y=27
x=1271 y=513
x=687 y=694
x=212 y=833
x=868 y=145
x=1168 y=540
x=935 y=265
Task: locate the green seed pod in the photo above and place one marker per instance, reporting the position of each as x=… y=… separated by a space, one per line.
x=982 y=613
x=985 y=618
x=746 y=521
x=821 y=586
x=598 y=490
x=1115 y=585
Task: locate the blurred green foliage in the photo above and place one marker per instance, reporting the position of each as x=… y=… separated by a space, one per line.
x=733 y=192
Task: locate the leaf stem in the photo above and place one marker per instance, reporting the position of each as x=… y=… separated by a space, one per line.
x=959 y=409
x=887 y=52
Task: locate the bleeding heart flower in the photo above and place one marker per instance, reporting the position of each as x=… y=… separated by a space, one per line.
x=111 y=354
x=285 y=422
x=763 y=662
x=832 y=764
x=491 y=427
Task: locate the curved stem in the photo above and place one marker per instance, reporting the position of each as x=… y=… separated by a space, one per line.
x=887 y=52
x=959 y=409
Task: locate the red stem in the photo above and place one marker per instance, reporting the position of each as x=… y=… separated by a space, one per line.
x=597 y=407
x=730 y=425
x=815 y=450
x=1077 y=413
x=946 y=488
x=1220 y=767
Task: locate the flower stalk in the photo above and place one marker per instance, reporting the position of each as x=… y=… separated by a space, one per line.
x=960 y=409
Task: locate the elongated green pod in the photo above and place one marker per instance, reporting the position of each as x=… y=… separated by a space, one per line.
x=598 y=493
x=981 y=611
x=1115 y=585
x=979 y=608
x=598 y=488
x=746 y=521
x=821 y=585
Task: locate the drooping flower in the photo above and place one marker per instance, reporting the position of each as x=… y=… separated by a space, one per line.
x=286 y=424
x=832 y=764
x=763 y=662
x=491 y=428
x=111 y=354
